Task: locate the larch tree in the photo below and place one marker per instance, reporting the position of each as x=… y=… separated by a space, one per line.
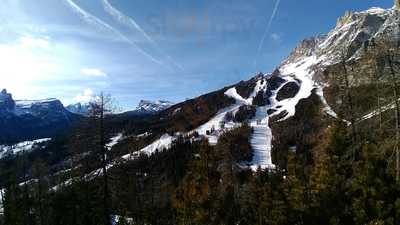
x=101 y=106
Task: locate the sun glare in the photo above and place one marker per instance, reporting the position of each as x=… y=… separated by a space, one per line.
x=24 y=62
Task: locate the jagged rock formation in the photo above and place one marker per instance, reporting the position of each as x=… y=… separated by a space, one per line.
x=346 y=18
x=306 y=48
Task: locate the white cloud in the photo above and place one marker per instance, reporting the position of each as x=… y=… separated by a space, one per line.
x=86 y=96
x=31 y=42
x=276 y=37
x=93 y=72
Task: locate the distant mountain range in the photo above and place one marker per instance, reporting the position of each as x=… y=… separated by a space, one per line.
x=27 y=119
x=22 y=120
x=145 y=107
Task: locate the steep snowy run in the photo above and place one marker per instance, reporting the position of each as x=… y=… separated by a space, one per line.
x=164 y=142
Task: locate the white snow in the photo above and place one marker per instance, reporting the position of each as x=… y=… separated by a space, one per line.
x=261 y=141
x=2 y=193
x=153 y=106
x=164 y=142
x=145 y=134
x=217 y=125
x=30 y=103
x=232 y=92
x=262 y=136
x=213 y=126
x=114 y=141
x=378 y=111
x=336 y=35
x=116 y=218
x=327 y=108
x=6 y=150
x=375 y=10
x=300 y=70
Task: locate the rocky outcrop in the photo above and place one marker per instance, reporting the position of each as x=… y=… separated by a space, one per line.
x=6 y=101
x=306 y=48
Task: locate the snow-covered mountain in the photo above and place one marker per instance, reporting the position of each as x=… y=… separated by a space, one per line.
x=146 y=106
x=81 y=108
x=311 y=76
x=31 y=119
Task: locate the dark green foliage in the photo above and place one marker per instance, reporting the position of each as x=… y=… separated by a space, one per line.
x=245 y=88
x=289 y=90
x=237 y=142
x=261 y=99
x=245 y=113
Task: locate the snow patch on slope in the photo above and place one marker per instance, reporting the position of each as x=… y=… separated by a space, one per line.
x=27 y=146
x=212 y=129
x=327 y=108
x=164 y=142
x=114 y=140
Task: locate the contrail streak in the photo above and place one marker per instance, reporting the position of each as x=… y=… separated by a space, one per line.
x=131 y=23
x=271 y=19
x=94 y=21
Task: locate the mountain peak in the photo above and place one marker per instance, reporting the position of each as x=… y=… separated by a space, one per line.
x=346 y=18
x=153 y=106
x=81 y=108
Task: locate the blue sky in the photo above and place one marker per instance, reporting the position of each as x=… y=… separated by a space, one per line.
x=153 y=49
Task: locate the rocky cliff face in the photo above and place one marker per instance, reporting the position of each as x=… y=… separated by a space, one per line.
x=306 y=48
x=358 y=39
x=6 y=101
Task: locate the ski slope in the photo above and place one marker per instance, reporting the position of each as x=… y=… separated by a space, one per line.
x=261 y=141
